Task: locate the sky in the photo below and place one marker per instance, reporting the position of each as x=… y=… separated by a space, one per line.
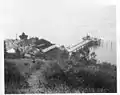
x=59 y=21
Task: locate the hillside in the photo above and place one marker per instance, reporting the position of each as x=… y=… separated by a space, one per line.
x=56 y=70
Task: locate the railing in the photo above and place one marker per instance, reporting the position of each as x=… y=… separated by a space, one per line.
x=78 y=46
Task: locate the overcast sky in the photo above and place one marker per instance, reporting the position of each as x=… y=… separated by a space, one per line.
x=59 y=21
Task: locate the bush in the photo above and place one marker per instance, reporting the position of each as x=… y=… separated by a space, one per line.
x=93 y=76
x=68 y=78
x=87 y=77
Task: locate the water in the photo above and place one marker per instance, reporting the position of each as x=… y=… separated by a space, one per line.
x=107 y=53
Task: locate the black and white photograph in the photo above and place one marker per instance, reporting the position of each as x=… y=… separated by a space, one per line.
x=60 y=46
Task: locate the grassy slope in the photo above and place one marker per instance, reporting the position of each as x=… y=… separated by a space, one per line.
x=42 y=77
x=28 y=70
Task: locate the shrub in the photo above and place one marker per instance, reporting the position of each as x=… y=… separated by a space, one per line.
x=76 y=77
x=93 y=75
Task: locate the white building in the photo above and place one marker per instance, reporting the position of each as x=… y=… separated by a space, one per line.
x=12 y=50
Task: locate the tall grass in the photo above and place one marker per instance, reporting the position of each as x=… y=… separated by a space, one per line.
x=13 y=79
x=93 y=77
x=71 y=78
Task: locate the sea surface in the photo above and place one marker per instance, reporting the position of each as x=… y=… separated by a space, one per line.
x=107 y=53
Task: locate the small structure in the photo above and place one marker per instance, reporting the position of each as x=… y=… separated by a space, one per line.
x=12 y=50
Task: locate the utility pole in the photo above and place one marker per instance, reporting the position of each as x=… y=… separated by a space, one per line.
x=16 y=36
x=111 y=45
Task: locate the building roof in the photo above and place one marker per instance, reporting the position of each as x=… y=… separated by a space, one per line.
x=12 y=50
x=49 y=48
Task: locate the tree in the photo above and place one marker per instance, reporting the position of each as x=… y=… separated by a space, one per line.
x=85 y=52
x=23 y=36
x=93 y=55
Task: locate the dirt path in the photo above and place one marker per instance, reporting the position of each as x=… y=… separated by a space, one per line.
x=34 y=81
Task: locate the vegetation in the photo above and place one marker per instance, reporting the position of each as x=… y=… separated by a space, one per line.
x=58 y=73
x=23 y=36
x=14 y=80
x=51 y=78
